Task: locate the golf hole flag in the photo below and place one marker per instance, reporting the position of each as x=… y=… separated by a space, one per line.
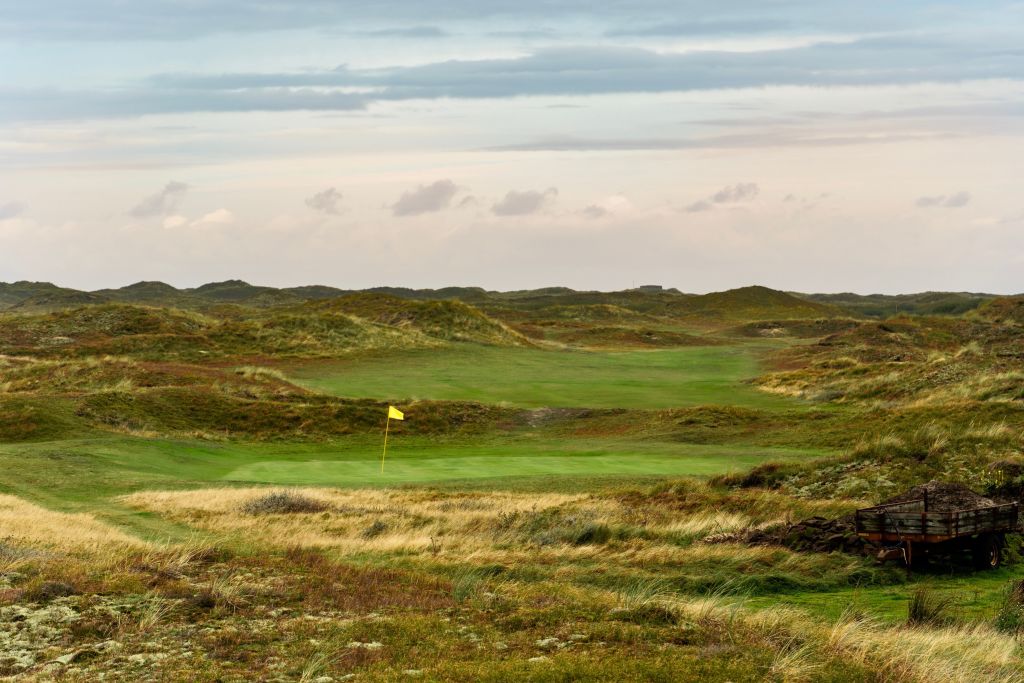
x=393 y=414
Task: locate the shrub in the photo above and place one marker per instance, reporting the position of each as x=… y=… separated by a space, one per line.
x=928 y=609
x=467 y=583
x=283 y=502
x=1010 y=618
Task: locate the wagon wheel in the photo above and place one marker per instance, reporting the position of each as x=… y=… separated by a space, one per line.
x=987 y=552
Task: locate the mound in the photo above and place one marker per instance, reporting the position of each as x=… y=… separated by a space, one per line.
x=885 y=305
x=87 y=328
x=313 y=292
x=751 y=303
x=238 y=291
x=15 y=292
x=943 y=497
x=151 y=294
x=622 y=337
x=167 y=333
x=802 y=329
x=57 y=300
x=816 y=534
x=446 y=320
x=593 y=313
x=1005 y=309
x=209 y=410
x=314 y=333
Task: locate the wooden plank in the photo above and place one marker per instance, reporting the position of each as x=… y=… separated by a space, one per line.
x=909 y=521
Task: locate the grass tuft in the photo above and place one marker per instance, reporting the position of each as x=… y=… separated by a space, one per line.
x=283 y=503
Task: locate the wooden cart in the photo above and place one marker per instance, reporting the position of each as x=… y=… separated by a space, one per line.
x=903 y=529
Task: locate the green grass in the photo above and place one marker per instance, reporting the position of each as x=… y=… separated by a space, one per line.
x=534 y=378
x=86 y=475
x=421 y=462
x=973 y=595
x=79 y=474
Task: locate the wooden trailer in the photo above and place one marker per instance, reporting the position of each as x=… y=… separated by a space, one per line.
x=910 y=528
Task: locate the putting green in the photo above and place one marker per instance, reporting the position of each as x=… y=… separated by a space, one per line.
x=498 y=461
x=534 y=378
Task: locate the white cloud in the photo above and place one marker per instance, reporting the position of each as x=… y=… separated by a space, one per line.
x=523 y=203
x=218 y=217
x=175 y=221
x=426 y=199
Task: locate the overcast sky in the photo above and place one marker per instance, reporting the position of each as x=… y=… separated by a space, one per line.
x=800 y=144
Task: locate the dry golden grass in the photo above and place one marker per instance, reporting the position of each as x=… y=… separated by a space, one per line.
x=478 y=528
x=24 y=523
x=412 y=521
x=710 y=522
x=407 y=521
x=959 y=654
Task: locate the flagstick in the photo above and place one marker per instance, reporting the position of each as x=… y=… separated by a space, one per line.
x=387 y=426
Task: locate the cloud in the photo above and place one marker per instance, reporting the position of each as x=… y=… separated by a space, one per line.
x=175 y=221
x=707 y=27
x=606 y=69
x=11 y=210
x=407 y=32
x=732 y=194
x=741 y=192
x=325 y=201
x=218 y=217
x=609 y=206
x=112 y=20
x=549 y=71
x=788 y=138
x=957 y=200
x=702 y=205
x=953 y=201
x=524 y=203
x=48 y=104
x=162 y=203
x=426 y=199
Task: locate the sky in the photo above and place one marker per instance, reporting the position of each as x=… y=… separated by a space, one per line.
x=805 y=145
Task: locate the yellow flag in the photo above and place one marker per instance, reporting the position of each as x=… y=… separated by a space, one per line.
x=395 y=414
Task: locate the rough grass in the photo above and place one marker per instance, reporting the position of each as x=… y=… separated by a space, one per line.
x=24 y=523
x=283 y=503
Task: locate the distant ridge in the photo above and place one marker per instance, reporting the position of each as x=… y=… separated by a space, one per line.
x=753 y=302
x=885 y=305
